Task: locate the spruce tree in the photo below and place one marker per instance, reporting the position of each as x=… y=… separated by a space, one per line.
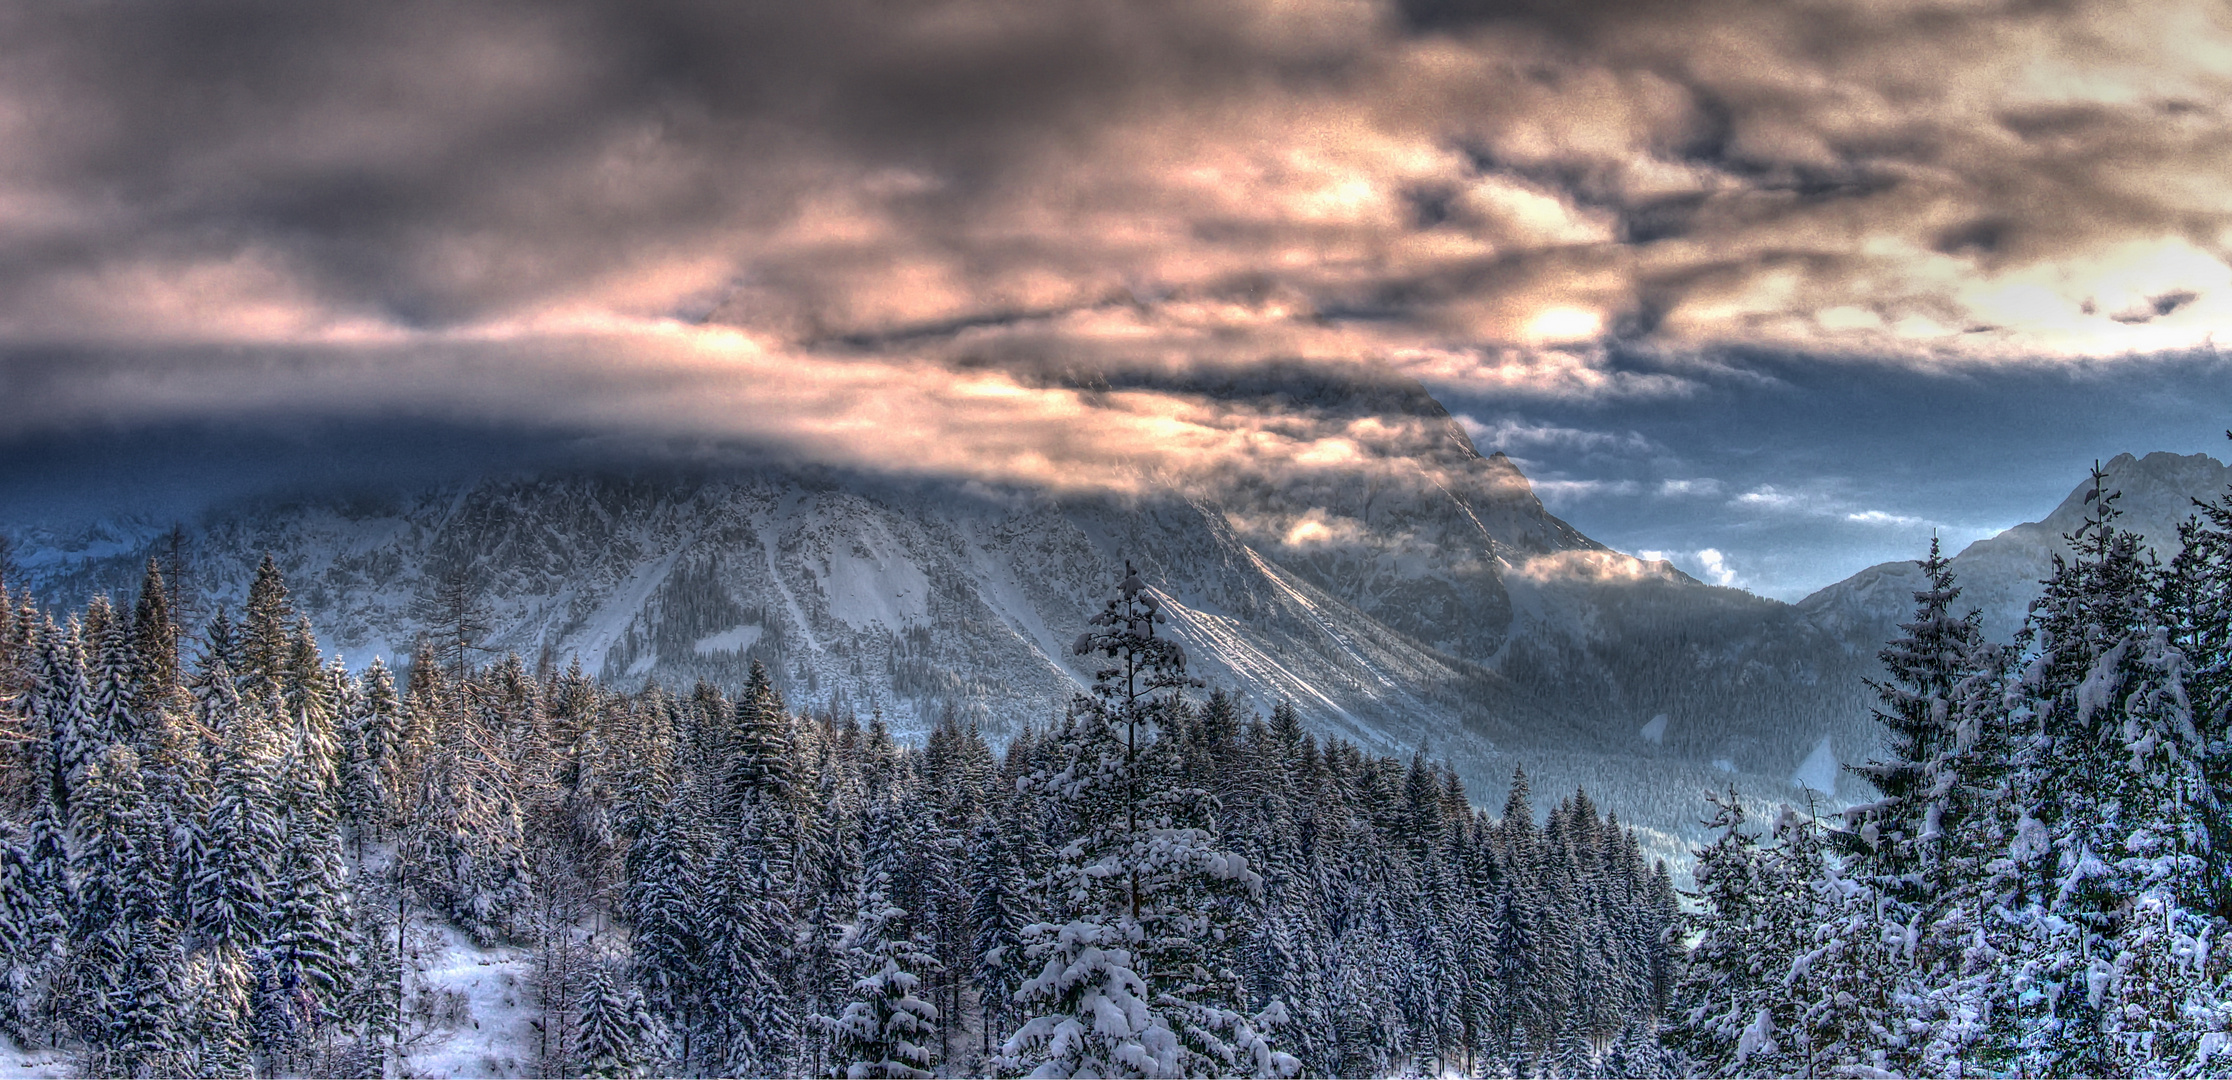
x=887 y=1029
x=267 y=633
x=126 y=998
x=617 y=1036
x=58 y=705
x=1734 y=1016
x=2115 y=787
x=1133 y=983
x=2196 y=601
x=34 y=926
x=666 y=881
x=758 y=764
x=997 y=912
x=112 y=681
x=232 y=897
x=154 y=639
x=372 y=736
x=744 y=925
x=311 y=950
x=1894 y=963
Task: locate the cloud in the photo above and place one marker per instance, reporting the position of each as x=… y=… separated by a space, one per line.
x=1599 y=566
x=1700 y=487
x=1883 y=517
x=1557 y=492
x=1830 y=500
x=1709 y=564
x=1513 y=433
x=670 y=380
x=1317 y=528
x=555 y=212
x=1716 y=568
x=1768 y=497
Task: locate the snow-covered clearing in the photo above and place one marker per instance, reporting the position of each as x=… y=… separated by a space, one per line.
x=17 y=1063
x=469 y=1011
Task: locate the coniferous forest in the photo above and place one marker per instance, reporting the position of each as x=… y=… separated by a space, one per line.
x=224 y=853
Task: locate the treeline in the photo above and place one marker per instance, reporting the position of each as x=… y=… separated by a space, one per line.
x=2043 y=888
x=223 y=853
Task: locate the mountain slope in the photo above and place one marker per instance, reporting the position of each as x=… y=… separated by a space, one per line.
x=1420 y=600
x=2000 y=575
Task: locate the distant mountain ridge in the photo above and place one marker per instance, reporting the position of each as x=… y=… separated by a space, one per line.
x=2000 y=575
x=1434 y=604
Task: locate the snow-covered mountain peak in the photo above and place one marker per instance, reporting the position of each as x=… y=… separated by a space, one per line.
x=1999 y=575
x=2154 y=494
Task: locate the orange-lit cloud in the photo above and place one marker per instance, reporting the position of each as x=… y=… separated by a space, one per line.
x=919 y=233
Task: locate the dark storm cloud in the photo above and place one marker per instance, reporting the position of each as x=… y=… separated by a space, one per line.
x=433 y=162
x=826 y=217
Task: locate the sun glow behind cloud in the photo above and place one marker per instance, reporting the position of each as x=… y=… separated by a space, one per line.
x=916 y=238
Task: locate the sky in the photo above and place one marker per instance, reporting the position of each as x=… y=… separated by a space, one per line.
x=1771 y=289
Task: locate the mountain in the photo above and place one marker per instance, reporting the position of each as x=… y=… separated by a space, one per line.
x=2000 y=575
x=1425 y=600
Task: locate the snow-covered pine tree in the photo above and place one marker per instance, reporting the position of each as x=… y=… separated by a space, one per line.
x=744 y=926
x=2196 y=601
x=1630 y=913
x=232 y=857
x=666 y=881
x=18 y=745
x=1533 y=986
x=887 y=1029
x=310 y=948
x=998 y=914
x=372 y=734
x=1569 y=934
x=124 y=995
x=1734 y=1013
x=956 y=781
x=372 y=1007
x=827 y=879
x=1286 y=729
x=1132 y=984
x=2117 y=794
x=1940 y=672
x=112 y=678
x=1283 y=961
x=1889 y=983
x=154 y=640
x=1478 y=935
x=617 y=1036
x=34 y=924
x=758 y=756
x=58 y=705
x=1432 y=993
x=466 y=844
x=267 y=636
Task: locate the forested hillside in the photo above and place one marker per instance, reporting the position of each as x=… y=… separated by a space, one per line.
x=2043 y=888
x=1469 y=621
x=225 y=852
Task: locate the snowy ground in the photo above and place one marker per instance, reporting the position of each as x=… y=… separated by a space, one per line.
x=19 y=1064
x=471 y=1010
